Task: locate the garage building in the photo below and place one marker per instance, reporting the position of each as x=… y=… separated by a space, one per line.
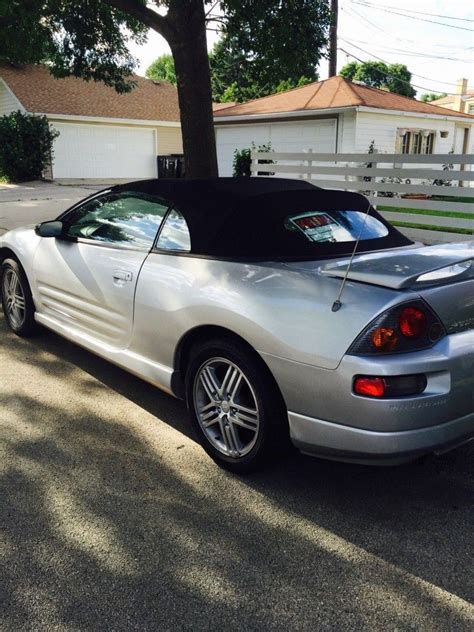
x=102 y=135
x=340 y=116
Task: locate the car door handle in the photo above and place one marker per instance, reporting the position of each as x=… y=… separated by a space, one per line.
x=122 y=275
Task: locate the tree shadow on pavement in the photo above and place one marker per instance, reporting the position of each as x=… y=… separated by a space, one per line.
x=113 y=520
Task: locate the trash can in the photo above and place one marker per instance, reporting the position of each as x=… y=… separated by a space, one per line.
x=170 y=166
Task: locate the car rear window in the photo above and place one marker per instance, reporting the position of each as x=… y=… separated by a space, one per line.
x=283 y=230
x=335 y=226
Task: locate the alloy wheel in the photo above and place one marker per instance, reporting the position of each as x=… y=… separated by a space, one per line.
x=226 y=407
x=14 y=298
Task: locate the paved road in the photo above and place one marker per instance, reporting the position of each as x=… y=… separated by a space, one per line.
x=114 y=519
x=33 y=202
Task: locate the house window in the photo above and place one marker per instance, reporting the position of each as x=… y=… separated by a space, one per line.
x=471 y=108
x=405 y=143
x=429 y=142
x=417 y=141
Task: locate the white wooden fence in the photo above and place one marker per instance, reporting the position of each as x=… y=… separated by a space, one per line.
x=397 y=181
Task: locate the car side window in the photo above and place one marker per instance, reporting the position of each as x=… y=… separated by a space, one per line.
x=126 y=218
x=175 y=233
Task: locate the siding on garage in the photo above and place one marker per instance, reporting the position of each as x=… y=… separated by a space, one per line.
x=8 y=101
x=459 y=139
x=169 y=140
x=383 y=129
x=347 y=133
x=317 y=135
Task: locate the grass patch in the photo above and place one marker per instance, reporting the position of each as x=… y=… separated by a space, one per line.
x=4 y=179
x=441 y=229
x=418 y=211
x=434 y=215
x=451 y=198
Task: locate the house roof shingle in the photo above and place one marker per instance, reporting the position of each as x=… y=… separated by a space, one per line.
x=221 y=106
x=335 y=92
x=450 y=98
x=38 y=91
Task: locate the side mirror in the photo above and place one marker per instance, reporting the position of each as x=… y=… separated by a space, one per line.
x=50 y=229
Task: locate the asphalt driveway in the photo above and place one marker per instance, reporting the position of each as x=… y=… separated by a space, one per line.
x=114 y=519
x=33 y=202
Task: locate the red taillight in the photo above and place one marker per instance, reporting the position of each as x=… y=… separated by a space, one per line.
x=390 y=386
x=407 y=327
x=412 y=322
x=369 y=386
x=384 y=339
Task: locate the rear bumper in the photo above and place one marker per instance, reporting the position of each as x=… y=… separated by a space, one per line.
x=324 y=438
x=328 y=395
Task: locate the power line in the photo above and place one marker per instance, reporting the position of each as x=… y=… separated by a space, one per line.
x=463 y=48
x=434 y=15
x=388 y=74
x=386 y=62
x=376 y=27
x=333 y=38
x=400 y=51
x=412 y=17
x=379 y=29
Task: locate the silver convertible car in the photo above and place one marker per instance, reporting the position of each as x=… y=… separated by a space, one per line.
x=281 y=312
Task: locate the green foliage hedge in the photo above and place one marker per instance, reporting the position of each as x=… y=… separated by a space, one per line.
x=243 y=161
x=26 y=143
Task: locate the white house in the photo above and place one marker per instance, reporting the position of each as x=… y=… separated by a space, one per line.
x=103 y=135
x=462 y=100
x=339 y=116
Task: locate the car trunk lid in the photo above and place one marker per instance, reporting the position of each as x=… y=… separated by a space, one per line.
x=442 y=275
x=406 y=268
x=454 y=304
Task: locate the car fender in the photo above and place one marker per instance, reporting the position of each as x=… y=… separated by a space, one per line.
x=279 y=311
x=22 y=242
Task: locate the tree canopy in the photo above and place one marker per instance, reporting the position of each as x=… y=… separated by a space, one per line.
x=395 y=78
x=162 y=69
x=432 y=96
x=268 y=46
x=89 y=39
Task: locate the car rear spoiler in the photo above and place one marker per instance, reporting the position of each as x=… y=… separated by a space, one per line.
x=402 y=269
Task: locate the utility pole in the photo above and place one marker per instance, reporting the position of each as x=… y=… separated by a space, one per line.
x=333 y=39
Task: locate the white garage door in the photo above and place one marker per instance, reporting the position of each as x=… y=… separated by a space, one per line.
x=320 y=136
x=99 y=151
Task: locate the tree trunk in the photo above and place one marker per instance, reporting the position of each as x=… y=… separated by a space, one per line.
x=189 y=47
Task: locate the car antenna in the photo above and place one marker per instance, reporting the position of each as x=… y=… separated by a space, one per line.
x=336 y=306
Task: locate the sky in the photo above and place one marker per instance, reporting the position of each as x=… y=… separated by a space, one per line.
x=438 y=50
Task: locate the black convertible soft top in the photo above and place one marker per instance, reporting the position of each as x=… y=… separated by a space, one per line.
x=245 y=217
x=212 y=194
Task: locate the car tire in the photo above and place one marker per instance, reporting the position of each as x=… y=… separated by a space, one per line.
x=235 y=406
x=17 y=301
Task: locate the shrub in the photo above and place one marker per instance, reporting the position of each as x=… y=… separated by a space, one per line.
x=26 y=143
x=242 y=160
